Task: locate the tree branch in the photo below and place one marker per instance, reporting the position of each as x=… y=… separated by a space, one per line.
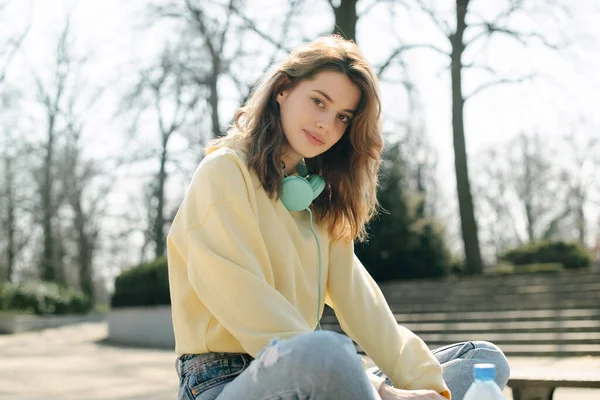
x=376 y=3
x=267 y=37
x=440 y=23
x=486 y=68
x=498 y=82
x=405 y=48
x=521 y=37
x=515 y=5
x=230 y=8
x=16 y=45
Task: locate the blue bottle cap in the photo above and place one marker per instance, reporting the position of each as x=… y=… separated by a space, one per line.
x=484 y=372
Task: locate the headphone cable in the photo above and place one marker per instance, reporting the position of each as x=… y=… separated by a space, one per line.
x=320 y=267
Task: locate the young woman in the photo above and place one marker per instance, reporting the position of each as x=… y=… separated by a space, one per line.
x=264 y=238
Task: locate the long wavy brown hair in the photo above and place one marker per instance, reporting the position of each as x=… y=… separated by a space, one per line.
x=350 y=167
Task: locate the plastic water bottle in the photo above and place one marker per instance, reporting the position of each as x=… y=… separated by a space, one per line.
x=484 y=387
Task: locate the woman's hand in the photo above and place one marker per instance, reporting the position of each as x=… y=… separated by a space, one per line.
x=389 y=393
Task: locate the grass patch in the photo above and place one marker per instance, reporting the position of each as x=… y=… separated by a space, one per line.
x=13 y=313
x=538 y=268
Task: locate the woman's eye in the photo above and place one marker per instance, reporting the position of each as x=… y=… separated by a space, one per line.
x=317 y=102
x=344 y=118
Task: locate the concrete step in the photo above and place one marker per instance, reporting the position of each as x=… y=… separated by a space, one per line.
x=495 y=326
x=486 y=316
x=483 y=309
x=536 y=315
x=449 y=306
x=427 y=298
x=496 y=281
x=515 y=337
x=533 y=350
x=459 y=290
x=542 y=350
x=476 y=289
x=501 y=326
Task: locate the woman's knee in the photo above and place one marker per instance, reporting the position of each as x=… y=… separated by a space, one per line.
x=314 y=351
x=320 y=346
x=317 y=361
x=490 y=353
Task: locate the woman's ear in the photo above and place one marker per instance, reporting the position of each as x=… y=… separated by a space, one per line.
x=283 y=93
x=281 y=96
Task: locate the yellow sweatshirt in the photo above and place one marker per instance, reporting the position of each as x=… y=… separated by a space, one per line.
x=243 y=269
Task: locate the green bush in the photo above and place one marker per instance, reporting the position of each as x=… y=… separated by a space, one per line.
x=43 y=298
x=143 y=285
x=508 y=269
x=570 y=255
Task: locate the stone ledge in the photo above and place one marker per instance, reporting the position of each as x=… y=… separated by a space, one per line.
x=25 y=323
x=141 y=326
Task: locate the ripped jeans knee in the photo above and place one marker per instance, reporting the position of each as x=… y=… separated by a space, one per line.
x=319 y=352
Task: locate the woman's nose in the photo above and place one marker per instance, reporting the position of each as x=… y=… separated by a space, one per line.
x=326 y=122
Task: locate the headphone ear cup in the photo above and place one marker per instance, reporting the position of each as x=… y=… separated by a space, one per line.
x=297 y=193
x=317 y=184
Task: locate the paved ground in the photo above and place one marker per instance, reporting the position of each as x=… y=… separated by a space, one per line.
x=73 y=363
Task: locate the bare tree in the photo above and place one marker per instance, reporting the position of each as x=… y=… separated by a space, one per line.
x=494 y=188
x=218 y=32
x=519 y=181
x=460 y=35
x=9 y=49
x=213 y=32
x=57 y=96
x=51 y=97
x=10 y=202
x=163 y=90
x=538 y=187
x=13 y=196
x=85 y=194
x=9 y=196
x=581 y=176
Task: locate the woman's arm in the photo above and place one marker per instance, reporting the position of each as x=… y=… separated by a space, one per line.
x=365 y=316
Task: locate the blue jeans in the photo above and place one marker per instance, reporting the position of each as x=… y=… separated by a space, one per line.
x=315 y=366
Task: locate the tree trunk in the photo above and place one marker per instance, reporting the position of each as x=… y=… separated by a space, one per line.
x=474 y=264
x=214 y=100
x=531 y=219
x=10 y=219
x=580 y=215
x=528 y=189
x=159 y=219
x=346 y=19
x=84 y=250
x=49 y=270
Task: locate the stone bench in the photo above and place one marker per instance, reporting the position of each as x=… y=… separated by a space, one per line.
x=542 y=388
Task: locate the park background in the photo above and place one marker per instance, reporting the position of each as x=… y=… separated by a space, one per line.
x=106 y=107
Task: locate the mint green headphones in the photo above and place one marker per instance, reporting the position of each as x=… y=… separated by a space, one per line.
x=298 y=192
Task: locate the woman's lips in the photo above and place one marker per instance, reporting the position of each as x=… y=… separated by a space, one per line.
x=313 y=138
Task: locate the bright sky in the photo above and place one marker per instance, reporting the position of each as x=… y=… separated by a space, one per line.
x=570 y=93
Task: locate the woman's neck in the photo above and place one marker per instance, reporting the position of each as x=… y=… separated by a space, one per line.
x=289 y=163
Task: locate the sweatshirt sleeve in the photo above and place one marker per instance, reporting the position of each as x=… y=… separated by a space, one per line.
x=367 y=319
x=228 y=264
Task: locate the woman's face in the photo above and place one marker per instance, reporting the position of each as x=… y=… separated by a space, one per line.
x=315 y=114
